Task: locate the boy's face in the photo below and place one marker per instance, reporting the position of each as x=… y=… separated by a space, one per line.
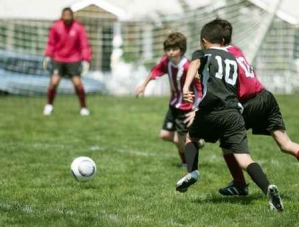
x=174 y=54
x=67 y=17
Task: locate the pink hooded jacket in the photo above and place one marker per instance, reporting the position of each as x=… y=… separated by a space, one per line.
x=68 y=43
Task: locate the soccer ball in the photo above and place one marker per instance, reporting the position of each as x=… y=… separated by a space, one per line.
x=83 y=168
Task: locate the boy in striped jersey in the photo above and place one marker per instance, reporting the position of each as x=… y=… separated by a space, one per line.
x=175 y=65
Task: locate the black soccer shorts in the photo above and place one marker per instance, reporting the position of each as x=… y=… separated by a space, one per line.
x=262 y=114
x=228 y=126
x=66 y=69
x=174 y=120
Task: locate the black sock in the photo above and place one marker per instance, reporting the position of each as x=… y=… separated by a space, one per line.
x=191 y=153
x=258 y=176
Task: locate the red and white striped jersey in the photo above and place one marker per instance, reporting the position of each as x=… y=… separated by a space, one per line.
x=249 y=85
x=177 y=76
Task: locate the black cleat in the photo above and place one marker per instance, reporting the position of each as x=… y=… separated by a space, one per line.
x=232 y=190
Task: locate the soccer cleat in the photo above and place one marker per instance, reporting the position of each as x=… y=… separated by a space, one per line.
x=183 y=184
x=274 y=198
x=232 y=189
x=48 y=109
x=84 y=112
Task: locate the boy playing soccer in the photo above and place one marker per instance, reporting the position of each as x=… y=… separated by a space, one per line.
x=219 y=114
x=175 y=64
x=261 y=113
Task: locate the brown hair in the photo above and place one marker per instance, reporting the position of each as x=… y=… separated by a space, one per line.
x=176 y=39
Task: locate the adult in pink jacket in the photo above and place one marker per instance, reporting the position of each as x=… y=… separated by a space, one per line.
x=69 y=52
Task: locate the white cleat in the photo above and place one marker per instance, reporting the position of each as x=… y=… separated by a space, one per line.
x=274 y=198
x=84 y=112
x=183 y=184
x=48 y=109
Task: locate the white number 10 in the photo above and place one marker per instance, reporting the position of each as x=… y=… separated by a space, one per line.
x=230 y=79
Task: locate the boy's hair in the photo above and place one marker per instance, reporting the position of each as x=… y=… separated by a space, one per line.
x=176 y=39
x=217 y=31
x=227 y=30
x=68 y=9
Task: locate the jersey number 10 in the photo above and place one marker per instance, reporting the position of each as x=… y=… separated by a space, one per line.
x=230 y=77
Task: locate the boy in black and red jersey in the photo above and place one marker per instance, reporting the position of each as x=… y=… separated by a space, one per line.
x=175 y=65
x=219 y=112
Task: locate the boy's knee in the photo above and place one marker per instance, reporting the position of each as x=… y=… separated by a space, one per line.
x=166 y=136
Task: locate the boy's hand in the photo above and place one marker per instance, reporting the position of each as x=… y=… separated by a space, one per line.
x=140 y=90
x=189 y=118
x=85 y=67
x=188 y=95
x=46 y=63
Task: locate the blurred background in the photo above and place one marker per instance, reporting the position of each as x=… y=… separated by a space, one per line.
x=126 y=37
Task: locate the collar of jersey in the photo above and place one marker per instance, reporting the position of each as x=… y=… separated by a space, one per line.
x=182 y=62
x=219 y=48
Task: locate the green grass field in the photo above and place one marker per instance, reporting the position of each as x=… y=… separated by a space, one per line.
x=135 y=182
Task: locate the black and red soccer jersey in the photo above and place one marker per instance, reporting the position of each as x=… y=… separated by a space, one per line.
x=177 y=76
x=249 y=85
x=219 y=78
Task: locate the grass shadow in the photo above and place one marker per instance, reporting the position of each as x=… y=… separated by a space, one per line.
x=241 y=200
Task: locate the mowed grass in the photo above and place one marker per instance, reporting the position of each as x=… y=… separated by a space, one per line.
x=137 y=172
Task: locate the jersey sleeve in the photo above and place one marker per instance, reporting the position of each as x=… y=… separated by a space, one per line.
x=84 y=43
x=198 y=54
x=160 y=69
x=50 y=48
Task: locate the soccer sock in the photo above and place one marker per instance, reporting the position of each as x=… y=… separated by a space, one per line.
x=297 y=155
x=258 y=176
x=235 y=170
x=51 y=95
x=182 y=156
x=191 y=153
x=81 y=95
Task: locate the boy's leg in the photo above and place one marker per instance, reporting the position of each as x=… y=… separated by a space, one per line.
x=191 y=154
x=74 y=71
x=79 y=90
x=54 y=82
x=179 y=141
x=258 y=176
x=169 y=132
x=238 y=186
x=285 y=143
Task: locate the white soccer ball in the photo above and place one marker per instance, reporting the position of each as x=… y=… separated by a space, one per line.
x=83 y=168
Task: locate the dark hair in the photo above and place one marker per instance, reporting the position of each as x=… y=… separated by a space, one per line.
x=217 y=31
x=176 y=39
x=227 y=30
x=68 y=9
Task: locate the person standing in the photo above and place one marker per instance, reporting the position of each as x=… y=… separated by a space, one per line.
x=69 y=52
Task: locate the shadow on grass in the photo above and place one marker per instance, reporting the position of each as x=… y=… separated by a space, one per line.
x=242 y=200
x=234 y=199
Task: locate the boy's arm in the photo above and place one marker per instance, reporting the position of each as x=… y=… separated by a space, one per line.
x=158 y=70
x=141 y=88
x=50 y=47
x=192 y=71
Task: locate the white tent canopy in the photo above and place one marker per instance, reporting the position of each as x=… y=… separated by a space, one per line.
x=124 y=9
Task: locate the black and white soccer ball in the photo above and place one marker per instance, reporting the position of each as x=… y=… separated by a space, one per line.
x=83 y=168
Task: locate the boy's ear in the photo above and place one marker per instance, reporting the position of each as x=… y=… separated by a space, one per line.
x=223 y=42
x=204 y=43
